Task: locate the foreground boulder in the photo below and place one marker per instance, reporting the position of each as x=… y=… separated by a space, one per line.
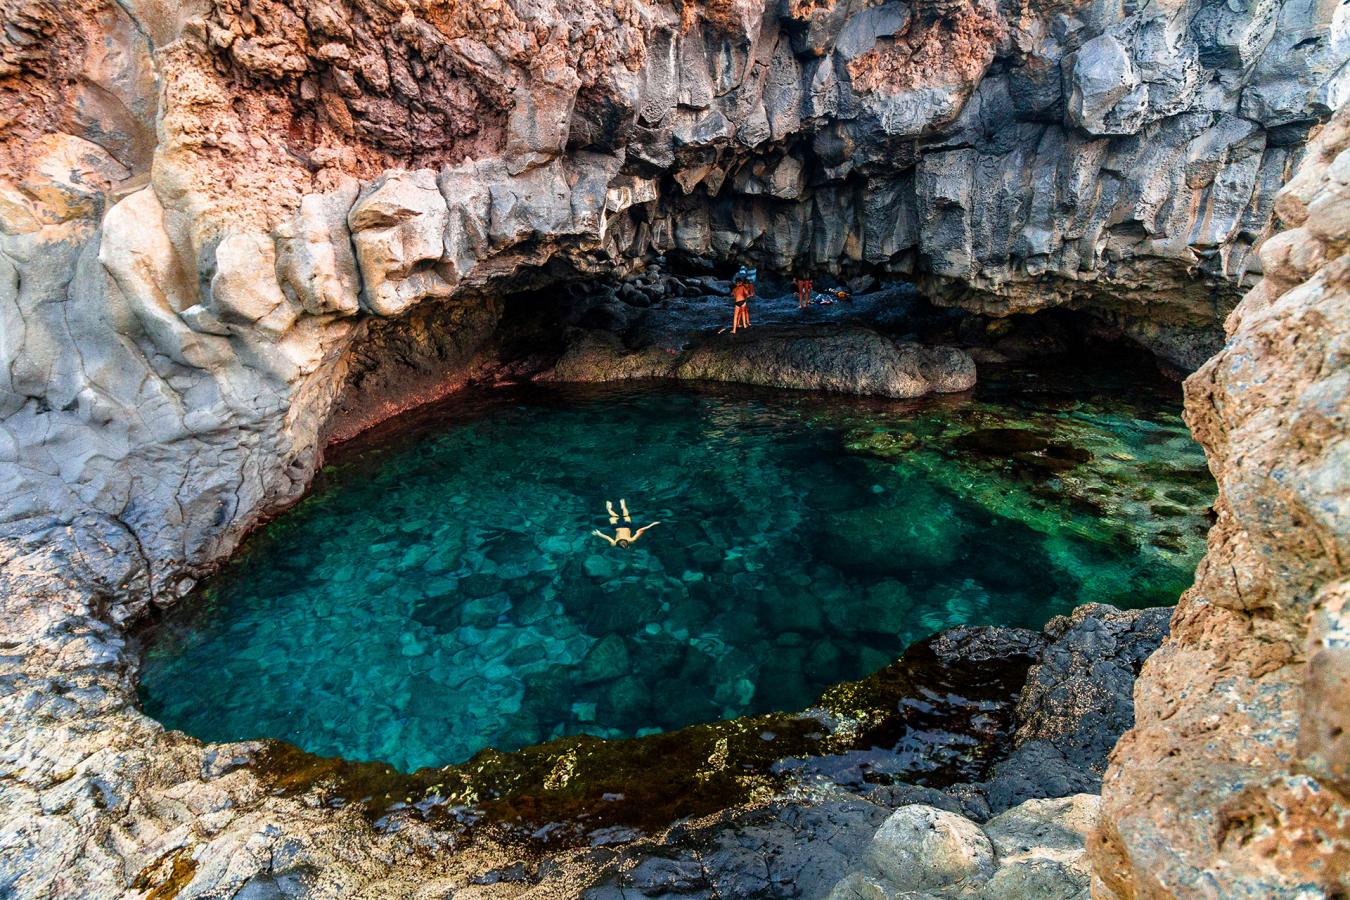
x=1036 y=850
x=920 y=848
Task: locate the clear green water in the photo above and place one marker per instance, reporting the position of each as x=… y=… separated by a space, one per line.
x=441 y=592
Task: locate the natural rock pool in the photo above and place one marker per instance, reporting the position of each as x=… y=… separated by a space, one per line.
x=440 y=590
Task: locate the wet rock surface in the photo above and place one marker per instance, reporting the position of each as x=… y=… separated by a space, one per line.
x=839 y=359
x=854 y=829
x=1075 y=704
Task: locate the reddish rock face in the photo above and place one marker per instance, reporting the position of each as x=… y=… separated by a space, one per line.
x=81 y=68
x=1235 y=775
x=206 y=207
x=422 y=83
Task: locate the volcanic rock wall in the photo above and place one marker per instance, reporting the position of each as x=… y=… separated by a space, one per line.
x=205 y=205
x=1236 y=778
x=1009 y=158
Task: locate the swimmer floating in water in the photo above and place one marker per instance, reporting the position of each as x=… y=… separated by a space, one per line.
x=624 y=535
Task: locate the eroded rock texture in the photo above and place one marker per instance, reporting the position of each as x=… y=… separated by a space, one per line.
x=1234 y=781
x=180 y=319
x=206 y=210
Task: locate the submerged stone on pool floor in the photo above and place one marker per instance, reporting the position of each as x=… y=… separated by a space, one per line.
x=441 y=592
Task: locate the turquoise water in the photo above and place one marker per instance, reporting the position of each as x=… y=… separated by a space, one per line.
x=440 y=591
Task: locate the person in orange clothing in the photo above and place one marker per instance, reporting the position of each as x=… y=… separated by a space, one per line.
x=740 y=302
x=804 y=287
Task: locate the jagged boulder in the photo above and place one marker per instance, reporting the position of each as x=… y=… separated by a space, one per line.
x=920 y=848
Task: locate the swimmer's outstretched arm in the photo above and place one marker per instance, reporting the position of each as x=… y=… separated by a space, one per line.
x=601 y=534
x=637 y=534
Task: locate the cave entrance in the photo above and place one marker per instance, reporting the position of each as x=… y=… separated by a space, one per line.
x=680 y=302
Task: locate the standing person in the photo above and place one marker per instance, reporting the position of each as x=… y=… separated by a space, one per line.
x=740 y=302
x=804 y=287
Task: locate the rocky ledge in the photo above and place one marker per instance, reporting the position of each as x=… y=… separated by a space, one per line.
x=660 y=325
x=851 y=360
x=828 y=802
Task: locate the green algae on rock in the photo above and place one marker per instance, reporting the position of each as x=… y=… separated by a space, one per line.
x=956 y=710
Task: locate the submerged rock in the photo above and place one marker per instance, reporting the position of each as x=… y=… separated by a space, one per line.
x=607 y=660
x=865 y=539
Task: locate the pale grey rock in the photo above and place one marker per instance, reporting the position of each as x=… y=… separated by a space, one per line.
x=469 y=203
x=537 y=202
x=859 y=32
x=1104 y=95
x=1234 y=35
x=138 y=254
x=244 y=290
x=922 y=848
x=1045 y=829
x=538 y=126
x=1035 y=850
x=859 y=886
x=1041 y=848
x=315 y=260
x=398 y=226
x=1036 y=879
x=1303 y=68
x=756 y=852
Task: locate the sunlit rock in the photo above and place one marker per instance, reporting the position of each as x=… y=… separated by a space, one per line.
x=398 y=226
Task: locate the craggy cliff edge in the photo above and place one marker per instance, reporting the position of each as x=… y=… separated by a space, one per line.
x=1236 y=778
x=209 y=210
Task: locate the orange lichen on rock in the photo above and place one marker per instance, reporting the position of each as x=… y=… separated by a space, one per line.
x=727 y=16
x=802 y=9
x=74 y=67
x=424 y=82
x=952 y=49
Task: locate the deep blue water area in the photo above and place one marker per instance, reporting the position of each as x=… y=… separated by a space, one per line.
x=440 y=589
